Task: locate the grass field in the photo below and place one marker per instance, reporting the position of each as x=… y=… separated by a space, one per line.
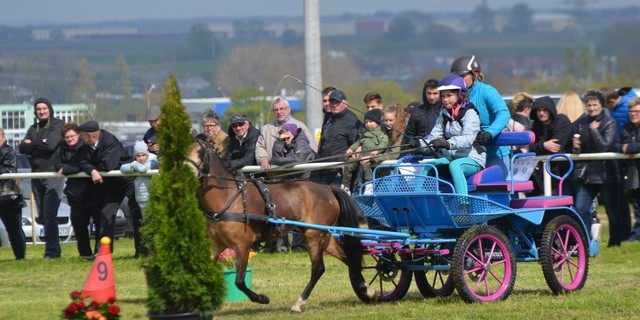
x=39 y=289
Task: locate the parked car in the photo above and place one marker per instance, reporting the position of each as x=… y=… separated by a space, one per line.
x=554 y=96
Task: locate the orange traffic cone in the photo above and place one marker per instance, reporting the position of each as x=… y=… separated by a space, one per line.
x=100 y=284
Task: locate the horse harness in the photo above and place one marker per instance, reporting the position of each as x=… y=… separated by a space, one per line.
x=244 y=216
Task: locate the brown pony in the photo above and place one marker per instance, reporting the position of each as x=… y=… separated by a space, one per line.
x=237 y=208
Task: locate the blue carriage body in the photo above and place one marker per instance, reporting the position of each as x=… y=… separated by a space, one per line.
x=427 y=207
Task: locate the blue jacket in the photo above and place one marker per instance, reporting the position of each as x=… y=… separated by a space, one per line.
x=493 y=112
x=620 y=112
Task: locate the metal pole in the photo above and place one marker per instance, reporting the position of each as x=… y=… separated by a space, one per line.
x=313 y=65
x=153 y=86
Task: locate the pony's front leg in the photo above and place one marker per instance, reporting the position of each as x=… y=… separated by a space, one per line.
x=242 y=258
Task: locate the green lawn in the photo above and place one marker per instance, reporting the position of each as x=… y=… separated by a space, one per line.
x=39 y=289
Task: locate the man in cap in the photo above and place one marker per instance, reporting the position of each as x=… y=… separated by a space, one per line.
x=242 y=143
x=41 y=142
x=150 y=137
x=102 y=152
x=340 y=131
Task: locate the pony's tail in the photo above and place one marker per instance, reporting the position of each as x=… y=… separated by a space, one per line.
x=349 y=217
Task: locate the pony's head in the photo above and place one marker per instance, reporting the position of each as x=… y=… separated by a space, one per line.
x=204 y=159
x=197 y=156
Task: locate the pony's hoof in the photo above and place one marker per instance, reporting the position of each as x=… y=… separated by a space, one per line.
x=262 y=299
x=297 y=308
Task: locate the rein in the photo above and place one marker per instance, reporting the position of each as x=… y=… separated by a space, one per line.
x=291 y=165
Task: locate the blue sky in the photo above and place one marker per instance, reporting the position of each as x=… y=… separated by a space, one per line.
x=38 y=12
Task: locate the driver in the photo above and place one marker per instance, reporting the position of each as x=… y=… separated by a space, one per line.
x=455 y=133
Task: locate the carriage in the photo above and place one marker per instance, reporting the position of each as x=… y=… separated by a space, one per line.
x=447 y=241
x=471 y=243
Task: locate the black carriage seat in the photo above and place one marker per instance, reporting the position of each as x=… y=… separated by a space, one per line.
x=492 y=179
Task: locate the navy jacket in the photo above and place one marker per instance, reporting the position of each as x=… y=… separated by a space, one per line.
x=241 y=154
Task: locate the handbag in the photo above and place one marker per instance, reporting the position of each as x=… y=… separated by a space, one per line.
x=580 y=172
x=10 y=192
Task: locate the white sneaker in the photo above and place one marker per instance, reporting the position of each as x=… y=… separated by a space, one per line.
x=368 y=189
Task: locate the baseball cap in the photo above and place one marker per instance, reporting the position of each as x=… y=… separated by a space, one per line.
x=238 y=118
x=337 y=95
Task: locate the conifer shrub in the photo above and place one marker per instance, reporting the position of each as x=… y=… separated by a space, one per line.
x=180 y=273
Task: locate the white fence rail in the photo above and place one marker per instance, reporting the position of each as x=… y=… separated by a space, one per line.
x=324 y=165
x=310 y=166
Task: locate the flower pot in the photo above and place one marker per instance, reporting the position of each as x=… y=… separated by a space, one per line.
x=233 y=294
x=175 y=316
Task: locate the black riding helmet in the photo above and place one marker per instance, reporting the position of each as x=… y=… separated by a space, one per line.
x=465 y=64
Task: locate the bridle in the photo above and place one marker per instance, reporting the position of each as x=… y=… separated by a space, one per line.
x=241 y=189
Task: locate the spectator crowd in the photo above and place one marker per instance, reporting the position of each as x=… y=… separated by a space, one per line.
x=459 y=116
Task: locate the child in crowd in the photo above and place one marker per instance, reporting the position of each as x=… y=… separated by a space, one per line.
x=455 y=133
x=291 y=147
x=143 y=163
x=373 y=138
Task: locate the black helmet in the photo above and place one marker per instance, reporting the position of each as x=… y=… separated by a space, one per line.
x=465 y=64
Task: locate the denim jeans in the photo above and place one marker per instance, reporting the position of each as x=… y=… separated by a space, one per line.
x=611 y=195
x=47 y=194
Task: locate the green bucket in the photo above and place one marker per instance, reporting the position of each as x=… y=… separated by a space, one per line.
x=233 y=293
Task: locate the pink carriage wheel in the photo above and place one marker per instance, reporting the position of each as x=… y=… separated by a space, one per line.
x=483 y=265
x=563 y=255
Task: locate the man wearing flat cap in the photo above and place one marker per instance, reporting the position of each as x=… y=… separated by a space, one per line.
x=102 y=152
x=150 y=137
x=241 y=150
x=41 y=142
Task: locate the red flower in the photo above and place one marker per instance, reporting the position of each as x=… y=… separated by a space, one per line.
x=94 y=310
x=71 y=308
x=114 y=310
x=75 y=295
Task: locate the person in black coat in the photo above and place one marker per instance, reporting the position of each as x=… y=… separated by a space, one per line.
x=243 y=137
x=339 y=132
x=41 y=143
x=102 y=152
x=423 y=117
x=84 y=203
x=597 y=132
x=630 y=144
x=11 y=199
x=553 y=134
